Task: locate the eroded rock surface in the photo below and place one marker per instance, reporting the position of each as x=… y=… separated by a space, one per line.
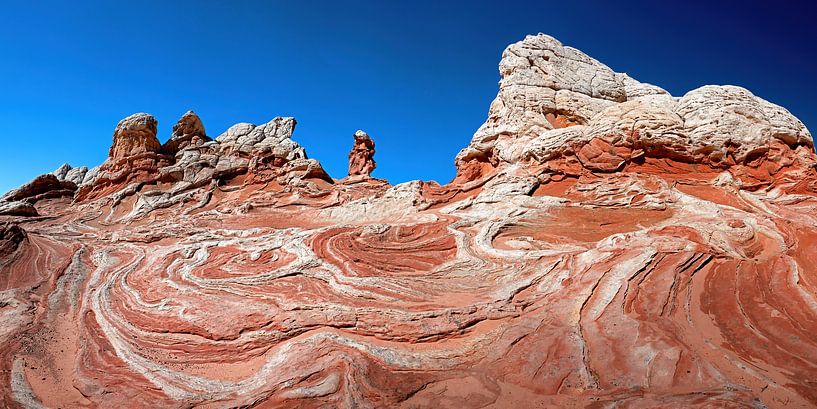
x=603 y=245
x=188 y=131
x=134 y=135
x=18 y=208
x=21 y=201
x=42 y=187
x=361 y=157
x=559 y=107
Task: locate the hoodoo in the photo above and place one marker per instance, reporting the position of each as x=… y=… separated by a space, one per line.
x=134 y=135
x=604 y=244
x=361 y=157
x=188 y=131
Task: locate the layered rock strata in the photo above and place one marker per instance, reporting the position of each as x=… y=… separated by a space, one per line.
x=603 y=245
x=558 y=107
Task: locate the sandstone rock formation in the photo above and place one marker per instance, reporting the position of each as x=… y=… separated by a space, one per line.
x=41 y=187
x=603 y=245
x=20 y=201
x=77 y=176
x=191 y=160
x=134 y=135
x=18 y=208
x=11 y=237
x=189 y=130
x=62 y=171
x=361 y=157
x=560 y=107
x=134 y=158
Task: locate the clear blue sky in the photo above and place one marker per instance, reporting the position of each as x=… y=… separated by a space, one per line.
x=419 y=77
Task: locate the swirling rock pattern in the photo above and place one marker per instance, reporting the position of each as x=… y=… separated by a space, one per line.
x=239 y=274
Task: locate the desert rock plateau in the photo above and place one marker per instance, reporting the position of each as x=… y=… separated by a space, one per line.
x=604 y=244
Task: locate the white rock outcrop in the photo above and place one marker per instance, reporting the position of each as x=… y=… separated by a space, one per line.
x=554 y=99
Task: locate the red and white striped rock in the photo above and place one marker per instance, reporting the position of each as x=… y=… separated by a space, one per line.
x=598 y=274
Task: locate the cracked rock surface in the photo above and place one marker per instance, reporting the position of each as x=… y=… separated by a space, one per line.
x=555 y=102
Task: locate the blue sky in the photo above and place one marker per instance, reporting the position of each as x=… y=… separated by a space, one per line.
x=418 y=77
